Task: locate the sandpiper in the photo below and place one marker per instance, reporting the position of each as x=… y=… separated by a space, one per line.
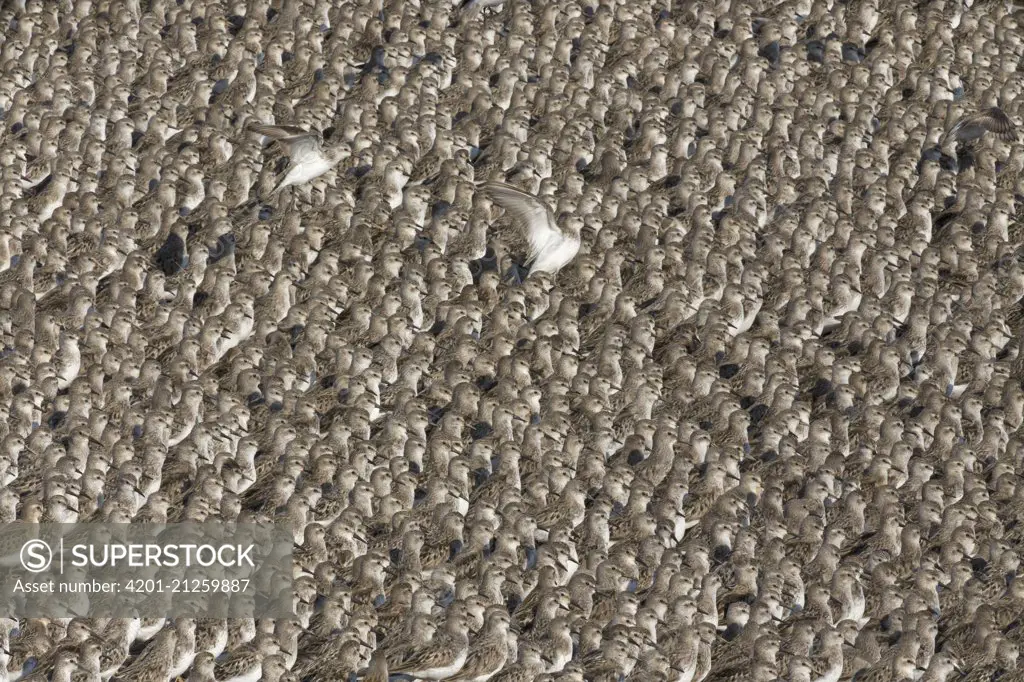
x=551 y=247
x=308 y=158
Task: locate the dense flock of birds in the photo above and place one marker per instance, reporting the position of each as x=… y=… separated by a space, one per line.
x=583 y=340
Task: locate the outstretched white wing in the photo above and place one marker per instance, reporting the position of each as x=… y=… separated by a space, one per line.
x=300 y=144
x=992 y=120
x=531 y=216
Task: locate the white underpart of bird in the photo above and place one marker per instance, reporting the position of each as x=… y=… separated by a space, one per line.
x=749 y=317
x=308 y=159
x=551 y=247
x=958 y=390
x=70 y=362
x=233 y=337
x=835 y=317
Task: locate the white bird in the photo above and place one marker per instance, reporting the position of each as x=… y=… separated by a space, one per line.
x=308 y=159
x=551 y=247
